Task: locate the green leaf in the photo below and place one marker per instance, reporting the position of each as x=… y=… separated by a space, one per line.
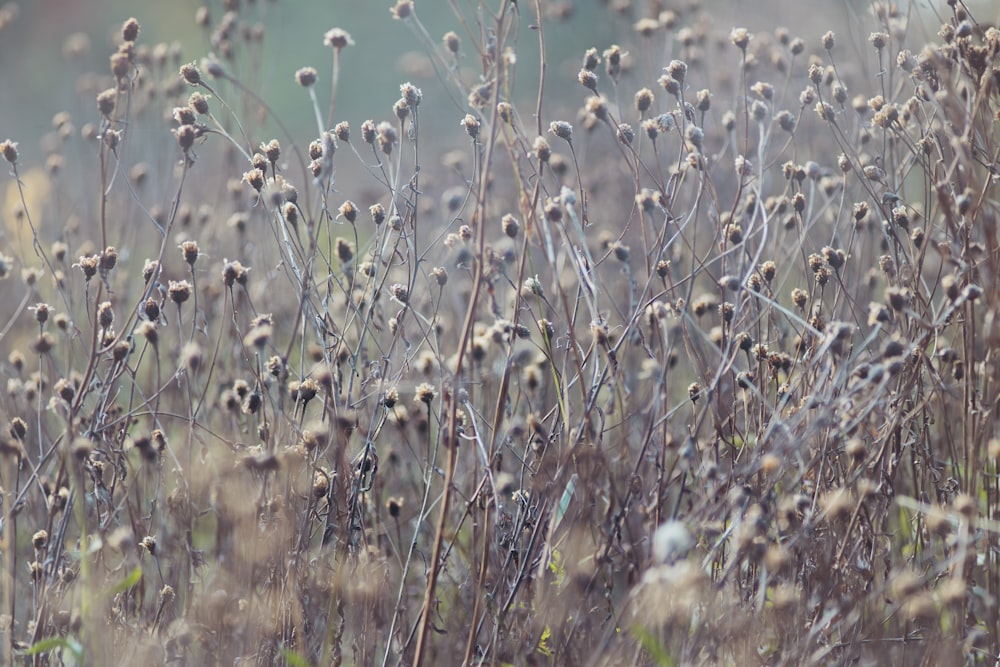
x=653 y=647
x=543 y=643
x=294 y=658
x=564 y=501
x=128 y=582
x=52 y=643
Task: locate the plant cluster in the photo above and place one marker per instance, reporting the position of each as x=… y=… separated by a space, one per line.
x=703 y=371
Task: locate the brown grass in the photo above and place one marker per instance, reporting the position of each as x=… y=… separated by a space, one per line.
x=703 y=372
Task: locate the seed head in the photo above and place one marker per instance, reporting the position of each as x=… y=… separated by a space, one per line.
x=179 y=291
x=694 y=392
x=829 y=39
x=337 y=38
x=377 y=211
x=425 y=393
x=130 y=30
x=451 y=42
x=42 y=311
x=834 y=257
x=151 y=309
x=190 y=73
x=740 y=37
x=587 y=79
x=190 y=251
x=799 y=298
x=105 y=315
x=402 y=10
x=511 y=227
x=553 y=209
x=561 y=129
x=727 y=311
x=879 y=40
x=259 y=162
x=825 y=111
x=18 y=428
x=368 y=131
x=345 y=250
x=440 y=275
x=597 y=106
x=399 y=292
x=400 y=109
x=148 y=543
x=120 y=65
x=89 y=266
x=734 y=233
x=542 y=149
x=271 y=150
x=192 y=357
x=898 y=297
x=613 y=61
x=410 y=94
x=471 y=125
x=305 y=76
x=44 y=343
x=348 y=211
x=386 y=136
x=234 y=272
x=532 y=287
x=186 y=134
x=644 y=100
x=198 y=103
x=704 y=100
x=670 y=84
x=304 y=391
x=255 y=178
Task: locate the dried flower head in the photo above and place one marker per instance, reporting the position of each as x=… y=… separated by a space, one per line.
x=425 y=393
x=471 y=125
x=8 y=149
x=234 y=272
x=386 y=135
x=644 y=99
x=348 y=211
x=179 y=291
x=561 y=129
x=306 y=76
x=254 y=178
x=337 y=38
x=130 y=30
x=190 y=251
x=542 y=149
x=587 y=79
x=190 y=74
x=511 y=227
x=403 y=9
x=410 y=94
x=740 y=37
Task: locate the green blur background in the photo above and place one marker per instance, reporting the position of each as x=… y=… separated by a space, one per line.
x=36 y=81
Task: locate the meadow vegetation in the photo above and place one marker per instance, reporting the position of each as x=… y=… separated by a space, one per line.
x=698 y=366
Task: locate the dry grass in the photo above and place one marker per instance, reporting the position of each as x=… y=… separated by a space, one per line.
x=702 y=373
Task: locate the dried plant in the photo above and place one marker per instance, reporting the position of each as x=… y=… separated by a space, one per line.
x=700 y=371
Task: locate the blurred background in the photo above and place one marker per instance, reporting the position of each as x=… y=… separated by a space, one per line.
x=47 y=48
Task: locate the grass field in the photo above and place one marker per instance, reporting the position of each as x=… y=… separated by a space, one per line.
x=684 y=353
